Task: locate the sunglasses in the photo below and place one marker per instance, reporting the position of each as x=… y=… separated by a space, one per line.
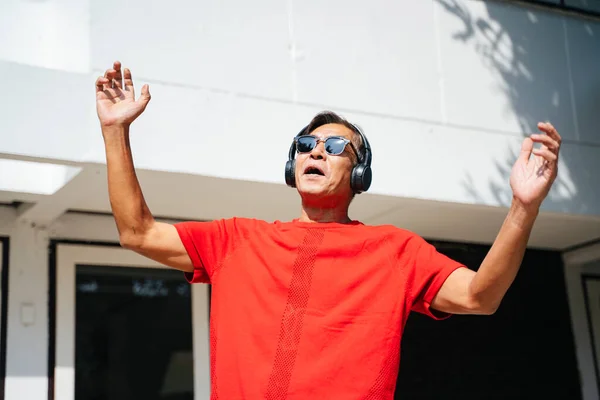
x=334 y=145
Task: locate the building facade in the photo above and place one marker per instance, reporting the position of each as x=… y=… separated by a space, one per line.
x=445 y=90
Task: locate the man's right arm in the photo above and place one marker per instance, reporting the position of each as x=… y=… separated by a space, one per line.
x=138 y=230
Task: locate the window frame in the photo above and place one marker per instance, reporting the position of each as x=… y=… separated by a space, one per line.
x=62 y=356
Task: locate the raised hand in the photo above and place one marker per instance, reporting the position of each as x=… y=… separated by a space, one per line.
x=115 y=97
x=532 y=176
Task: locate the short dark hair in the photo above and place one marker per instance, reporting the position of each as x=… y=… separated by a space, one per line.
x=330 y=117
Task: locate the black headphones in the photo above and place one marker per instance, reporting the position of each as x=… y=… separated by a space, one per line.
x=360 y=180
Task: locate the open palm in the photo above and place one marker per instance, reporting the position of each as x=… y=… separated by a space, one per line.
x=532 y=176
x=115 y=97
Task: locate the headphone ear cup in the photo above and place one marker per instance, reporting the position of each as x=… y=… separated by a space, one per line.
x=361 y=178
x=290 y=173
x=367 y=177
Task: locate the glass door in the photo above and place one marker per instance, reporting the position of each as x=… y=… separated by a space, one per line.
x=592 y=298
x=125 y=328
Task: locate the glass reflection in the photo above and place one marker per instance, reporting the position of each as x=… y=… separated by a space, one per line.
x=133 y=334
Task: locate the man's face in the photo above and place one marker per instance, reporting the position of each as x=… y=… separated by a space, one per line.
x=323 y=176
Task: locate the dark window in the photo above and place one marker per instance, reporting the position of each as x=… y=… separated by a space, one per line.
x=524 y=351
x=133 y=334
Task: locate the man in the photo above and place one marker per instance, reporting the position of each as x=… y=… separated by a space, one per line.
x=315 y=307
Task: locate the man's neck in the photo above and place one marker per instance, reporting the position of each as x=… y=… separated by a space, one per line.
x=314 y=214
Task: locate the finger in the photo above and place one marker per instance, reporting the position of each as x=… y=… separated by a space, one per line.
x=117 y=83
x=100 y=82
x=546 y=140
x=545 y=154
x=104 y=84
x=127 y=78
x=145 y=96
x=118 y=74
x=526 y=148
x=550 y=130
x=110 y=74
x=115 y=78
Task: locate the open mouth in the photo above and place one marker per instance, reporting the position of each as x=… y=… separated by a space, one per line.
x=314 y=171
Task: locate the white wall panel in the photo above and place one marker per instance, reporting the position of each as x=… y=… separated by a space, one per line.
x=212 y=133
x=580 y=184
x=45 y=113
x=49 y=34
x=34 y=178
x=447 y=86
x=27 y=320
x=584 y=51
x=418 y=160
x=8 y=216
x=232 y=45
x=225 y=136
x=378 y=57
x=504 y=67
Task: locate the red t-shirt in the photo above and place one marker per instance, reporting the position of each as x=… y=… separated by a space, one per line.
x=310 y=310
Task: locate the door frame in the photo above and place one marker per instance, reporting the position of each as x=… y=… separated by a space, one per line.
x=65 y=256
x=4 y=249
x=581 y=264
x=594 y=331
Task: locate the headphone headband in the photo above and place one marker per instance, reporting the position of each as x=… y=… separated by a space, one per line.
x=366 y=147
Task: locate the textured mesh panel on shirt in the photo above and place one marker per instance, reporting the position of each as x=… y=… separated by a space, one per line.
x=293 y=316
x=214 y=393
x=385 y=382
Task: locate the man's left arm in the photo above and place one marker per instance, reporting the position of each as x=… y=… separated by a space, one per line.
x=481 y=292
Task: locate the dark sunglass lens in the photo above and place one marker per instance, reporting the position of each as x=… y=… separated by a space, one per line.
x=335 y=146
x=306 y=144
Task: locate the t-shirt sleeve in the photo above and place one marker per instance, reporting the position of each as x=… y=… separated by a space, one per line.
x=208 y=244
x=430 y=270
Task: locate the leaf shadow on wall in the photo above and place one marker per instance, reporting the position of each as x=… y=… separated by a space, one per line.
x=524 y=49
